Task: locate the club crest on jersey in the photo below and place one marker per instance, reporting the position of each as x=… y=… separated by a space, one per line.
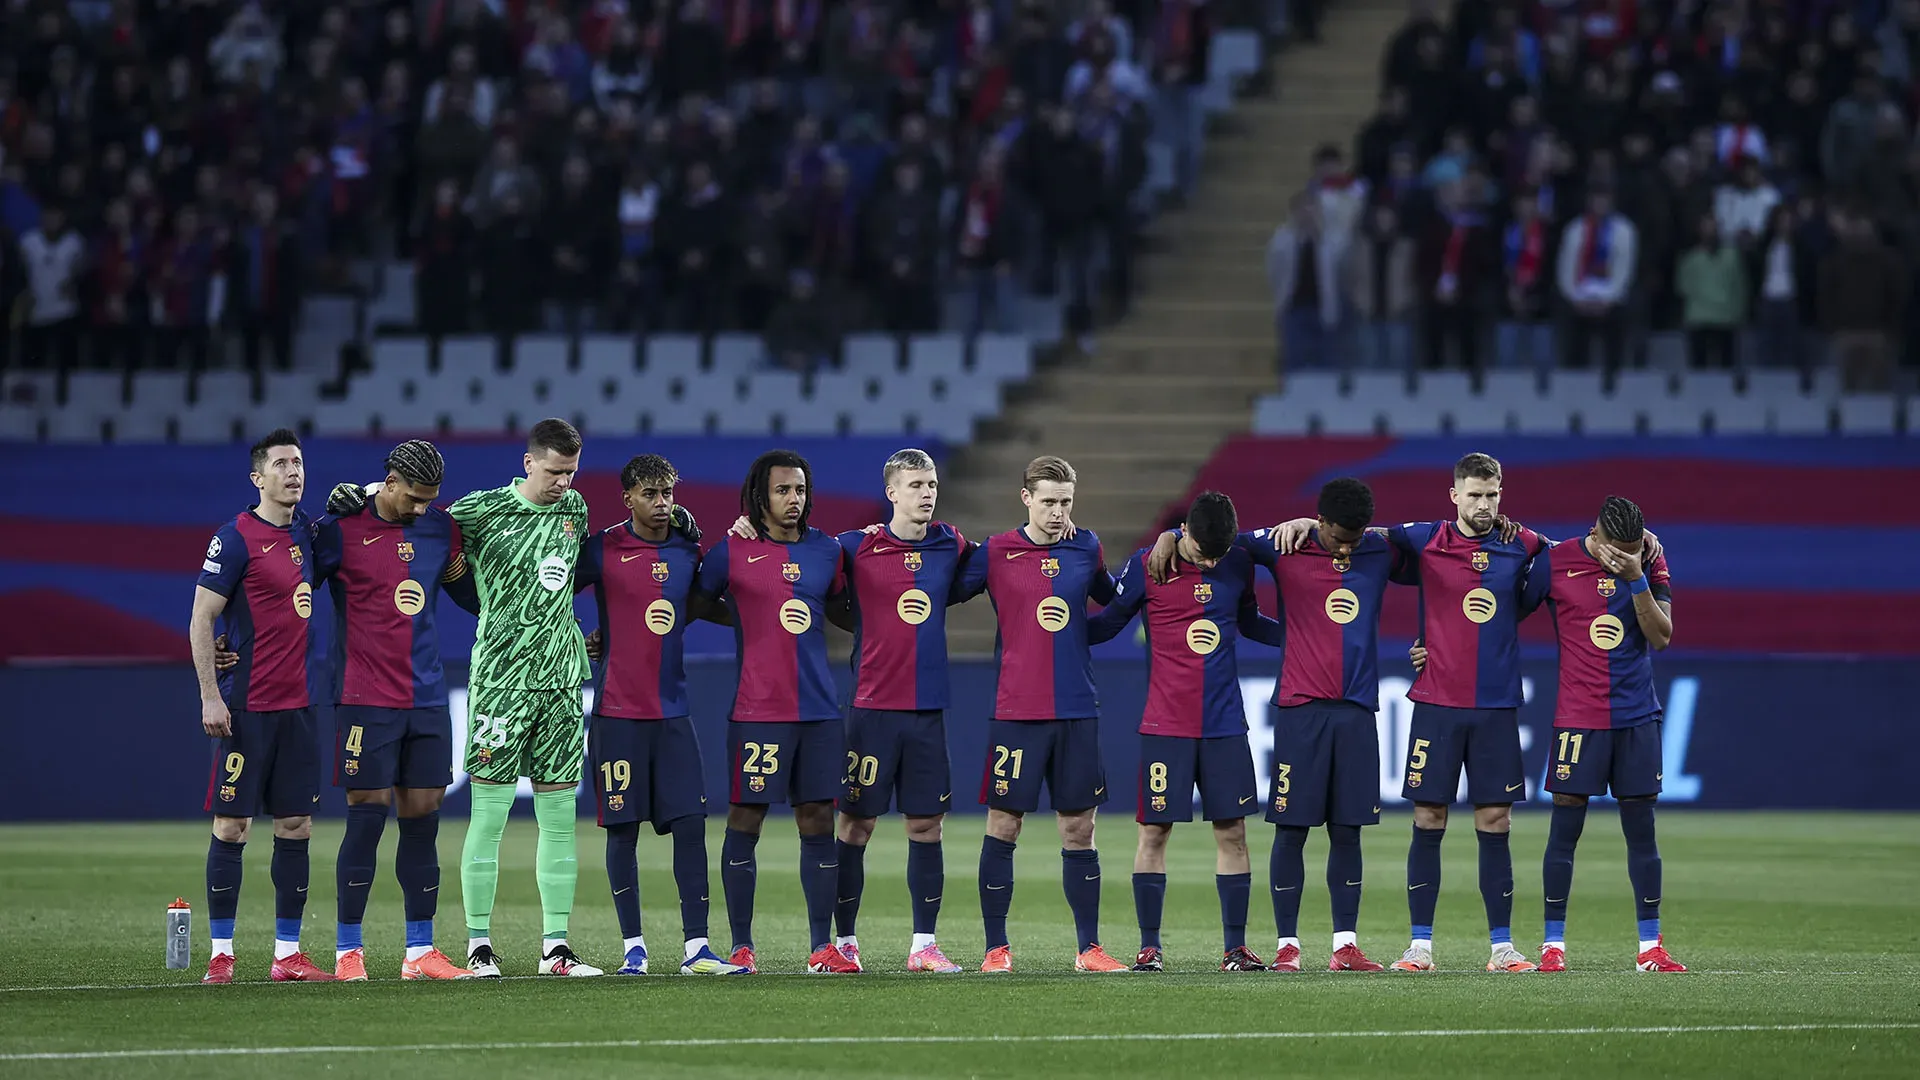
x=1203 y=592
x=1279 y=804
x=616 y=803
x=914 y=561
x=294 y=554
x=790 y=571
x=756 y=783
x=1159 y=803
x=566 y=527
x=1000 y=787
x=227 y=793
x=405 y=550
x=1343 y=563
x=484 y=754
x=1050 y=567
x=1563 y=772
x=660 y=571
x=1481 y=560
x=351 y=766
x=1413 y=779
x=1606 y=585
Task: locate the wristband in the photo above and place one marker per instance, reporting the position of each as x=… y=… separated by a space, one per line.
x=1638 y=585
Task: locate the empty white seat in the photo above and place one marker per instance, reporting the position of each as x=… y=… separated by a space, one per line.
x=1575 y=388
x=1510 y=389
x=138 y=425
x=1608 y=416
x=766 y=394
x=75 y=426
x=607 y=417
x=870 y=354
x=484 y=417
x=738 y=354
x=223 y=388
x=1311 y=386
x=210 y=423
x=945 y=356
x=1348 y=416
x=1801 y=416
x=952 y=428
x=676 y=418
x=291 y=386
x=969 y=396
x=1673 y=416
x=1378 y=387
x=18 y=423
x=165 y=391
x=95 y=393
x=1868 y=414
x=1735 y=415
x=1444 y=388
x=1824 y=384
x=1003 y=357
x=1639 y=387
x=467 y=354
x=399 y=355
x=809 y=418
x=1542 y=417
x=840 y=390
x=1274 y=414
x=1706 y=388
x=609 y=356
x=1771 y=384
x=1474 y=416
x=673 y=354
x=339 y=418
x=1410 y=416
x=30 y=389
x=1667 y=351
x=540 y=354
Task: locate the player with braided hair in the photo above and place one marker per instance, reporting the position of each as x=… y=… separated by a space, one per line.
x=393 y=732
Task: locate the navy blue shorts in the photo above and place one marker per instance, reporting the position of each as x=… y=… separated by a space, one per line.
x=375 y=748
x=269 y=765
x=895 y=756
x=1063 y=754
x=645 y=770
x=1326 y=765
x=1171 y=767
x=1486 y=742
x=793 y=763
x=1624 y=762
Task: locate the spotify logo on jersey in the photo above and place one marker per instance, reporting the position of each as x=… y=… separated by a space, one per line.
x=914 y=606
x=1203 y=636
x=795 y=617
x=410 y=598
x=1605 y=632
x=303 y=600
x=1053 y=614
x=1479 y=605
x=553 y=573
x=1343 y=606
x=660 y=617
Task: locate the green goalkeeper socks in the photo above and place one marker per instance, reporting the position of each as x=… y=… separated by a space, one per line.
x=480 y=858
x=555 y=867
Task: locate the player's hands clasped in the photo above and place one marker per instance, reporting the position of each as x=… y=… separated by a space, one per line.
x=346 y=500
x=215 y=720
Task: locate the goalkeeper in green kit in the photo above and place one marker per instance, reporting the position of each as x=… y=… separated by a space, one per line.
x=524 y=707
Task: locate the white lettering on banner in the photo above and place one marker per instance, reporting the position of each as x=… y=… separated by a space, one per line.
x=457 y=708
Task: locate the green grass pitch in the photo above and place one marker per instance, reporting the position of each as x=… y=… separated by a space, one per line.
x=1801 y=930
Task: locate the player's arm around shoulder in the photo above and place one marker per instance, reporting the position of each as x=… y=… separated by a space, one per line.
x=1536 y=581
x=1100 y=582
x=1129 y=595
x=1255 y=626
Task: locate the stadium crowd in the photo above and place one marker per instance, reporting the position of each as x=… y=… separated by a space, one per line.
x=1546 y=181
x=175 y=172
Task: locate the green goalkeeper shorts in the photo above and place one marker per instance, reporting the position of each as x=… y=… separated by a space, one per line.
x=538 y=734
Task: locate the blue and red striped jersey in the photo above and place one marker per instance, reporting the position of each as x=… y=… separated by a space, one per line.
x=1194 y=623
x=901 y=589
x=1039 y=594
x=385 y=580
x=1469 y=612
x=779 y=594
x=642 y=591
x=266 y=573
x=1331 y=607
x=1606 y=665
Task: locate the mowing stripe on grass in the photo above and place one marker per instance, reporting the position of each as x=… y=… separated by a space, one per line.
x=858 y=1040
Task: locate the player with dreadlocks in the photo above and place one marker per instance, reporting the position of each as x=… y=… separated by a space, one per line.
x=1612 y=608
x=393 y=733
x=785 y=737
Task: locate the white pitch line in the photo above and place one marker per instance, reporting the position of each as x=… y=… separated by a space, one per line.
x=858 y=1040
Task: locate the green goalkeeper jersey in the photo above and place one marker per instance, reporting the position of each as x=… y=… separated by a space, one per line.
x=522 y=555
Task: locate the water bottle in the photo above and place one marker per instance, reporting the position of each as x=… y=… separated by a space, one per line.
x=179 y=934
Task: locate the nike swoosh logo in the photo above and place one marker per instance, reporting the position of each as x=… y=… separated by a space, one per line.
x=431 y=888
x=749 y=862
x=357 y=884
x=1015 y=554
x=618 y=892
x=755 y=558
x=1577 y=573
x=1659 y=776
x=947 y=796
x=1353 y=883
x=1422 y=885
x=1376 y=809
x=1506 y=894
x=1655 y=900
x=703 y=899
x=365 y=540
x=996 y=888
x=630 y=558
x=828 y=866
x=931 y=900
x=302 y=888
x=1100 y=791
x=1551 y=900
x=847 y=899
x=1285 y=888
x=884 y=551
x=227 y=889
x=269 y=547
x=1246 y=800
x=1093 y=877
x=1516 y=787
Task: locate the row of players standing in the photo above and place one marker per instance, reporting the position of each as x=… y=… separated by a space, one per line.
x=890 y=585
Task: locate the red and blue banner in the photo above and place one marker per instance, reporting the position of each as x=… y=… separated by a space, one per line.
x=1778 y=545
x=100 y=545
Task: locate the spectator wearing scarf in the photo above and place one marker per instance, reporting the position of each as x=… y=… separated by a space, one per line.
x=1595 y=273
x=1525 y=335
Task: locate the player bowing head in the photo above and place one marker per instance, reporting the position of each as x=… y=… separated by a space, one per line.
x=414 y=471
x=1346 y=509
x=913 y=485
x=278 y=469
x=775 y=497
x=1621 y=526
x=1047 y=491
x=552 y=461
x=1211 y=526
x=1476 y=491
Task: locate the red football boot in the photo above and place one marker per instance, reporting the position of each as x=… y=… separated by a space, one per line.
x=297 y=968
